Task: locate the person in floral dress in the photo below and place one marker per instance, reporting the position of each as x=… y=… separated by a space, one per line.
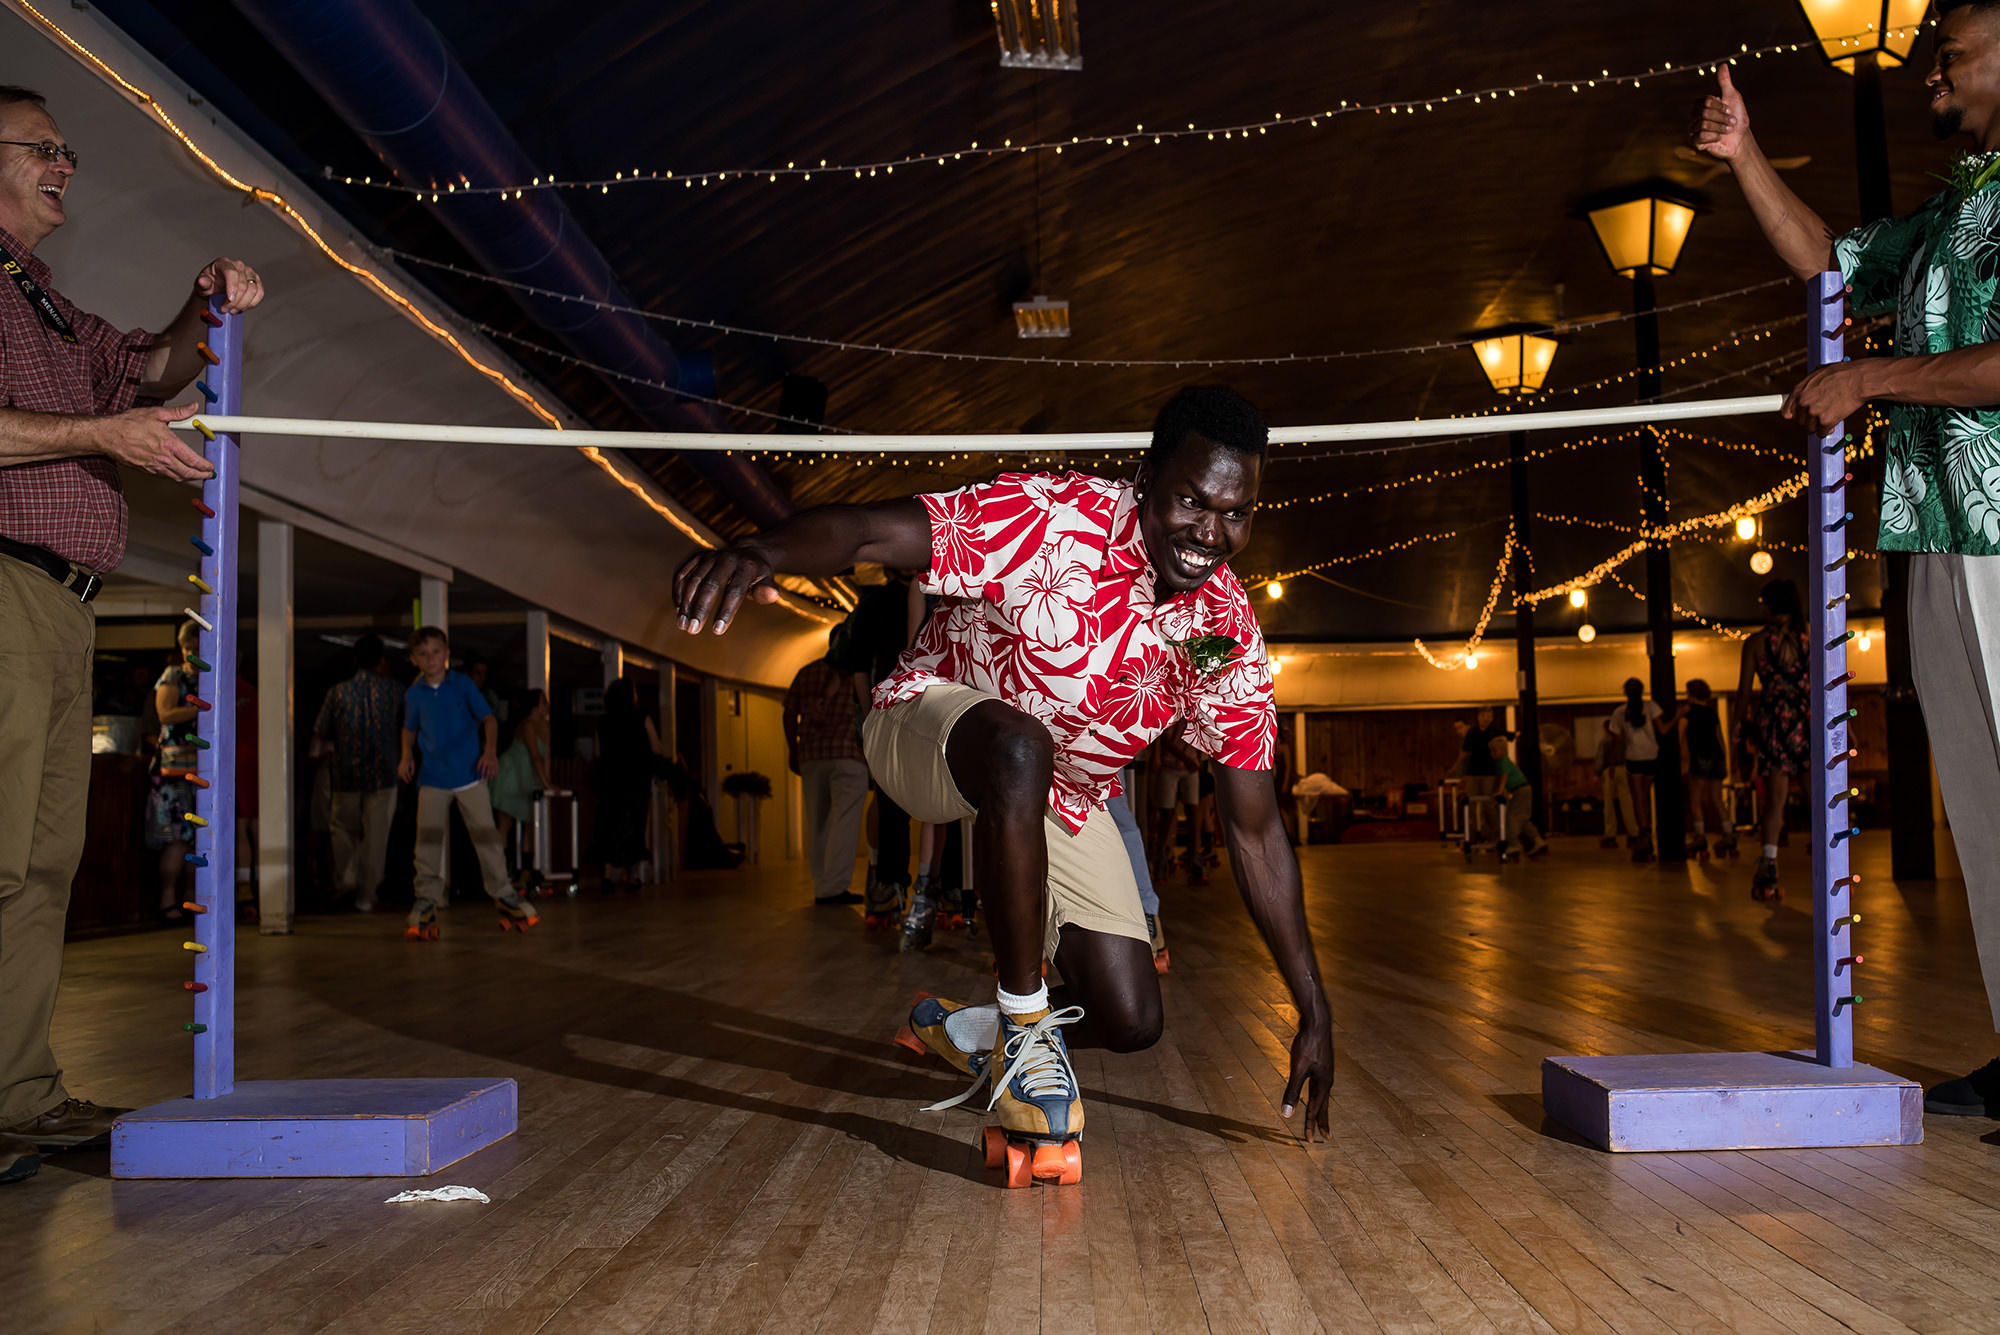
x=1776 y=724
x=1938 y=270
x=1082 y=618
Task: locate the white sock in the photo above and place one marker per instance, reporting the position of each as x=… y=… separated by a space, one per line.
x=1771 y=852
x=1699 y=833
x=923 y=867
x=974 y=1029
x=1033 y=1002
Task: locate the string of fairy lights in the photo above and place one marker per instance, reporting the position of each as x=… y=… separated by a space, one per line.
x=1138 y=137
x=1470 y=657
x=1204 y=363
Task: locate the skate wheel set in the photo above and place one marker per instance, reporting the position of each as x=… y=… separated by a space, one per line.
x=1029 y=1161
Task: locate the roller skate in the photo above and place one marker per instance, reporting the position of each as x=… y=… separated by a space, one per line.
x=1196 y=865
x=962 y=1034
x=1037 y=1100
x=919 y=919
x=1698 y=847
x=1764 y=881
x=516 y=917
x=882 y=906
x=424 y=928
x=1725 y=846
x=1161 y=960
x=1508 y=853
x=1642 y=847
x=1608 y=841
x=957 y=910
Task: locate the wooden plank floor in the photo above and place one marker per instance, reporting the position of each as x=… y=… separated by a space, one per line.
x=717 y=1136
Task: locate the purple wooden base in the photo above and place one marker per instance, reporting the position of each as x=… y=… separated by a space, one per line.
x=1730 y=1101
x=316 y=1128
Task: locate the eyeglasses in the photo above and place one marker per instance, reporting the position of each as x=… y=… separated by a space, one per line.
x=47 y=150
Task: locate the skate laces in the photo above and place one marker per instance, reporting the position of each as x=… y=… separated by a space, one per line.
x=1034 y=1053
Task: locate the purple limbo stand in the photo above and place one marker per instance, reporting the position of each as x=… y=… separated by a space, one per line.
x=1776 y=1100
x=269 y=1128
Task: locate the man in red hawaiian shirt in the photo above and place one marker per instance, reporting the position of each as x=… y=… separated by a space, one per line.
x=1082 y=617
x=68 y=385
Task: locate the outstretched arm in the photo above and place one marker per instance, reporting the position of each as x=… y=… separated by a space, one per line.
x=1267 y=873
x=1722 y=130
x=712 y=585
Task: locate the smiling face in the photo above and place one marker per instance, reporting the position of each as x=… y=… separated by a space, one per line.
x=1195 y=511
x=1964 y=81
x=31 y=190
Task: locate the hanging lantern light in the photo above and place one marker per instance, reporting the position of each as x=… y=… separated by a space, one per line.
x=1850 y=28
x=1642 y=233
x=1516 y=357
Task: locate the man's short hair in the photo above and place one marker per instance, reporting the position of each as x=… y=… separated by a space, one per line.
x=11 y=93
x=1212 y=412
x=425 y=634
x=367 y=651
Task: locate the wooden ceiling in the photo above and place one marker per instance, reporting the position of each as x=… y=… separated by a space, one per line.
x=1369 y=231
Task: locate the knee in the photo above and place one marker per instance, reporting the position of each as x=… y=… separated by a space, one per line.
x=1133 y=1027
x=1020 y=757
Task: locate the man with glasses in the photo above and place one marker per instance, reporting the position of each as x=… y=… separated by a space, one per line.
x=69 y=383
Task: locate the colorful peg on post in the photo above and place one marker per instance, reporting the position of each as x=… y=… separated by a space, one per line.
x=207 y=432
x=1844 y=796
x=198 y=504
x=210 y=318
x=200 y=583
x=1847 y=1001
x=201 y=546
x=193 y=986
x=1839 y=561
x=1846 y=881
x=1841 y=638
x=196 y=859
x=1849 y=833
x=1842 y=757
x=1840 y=523
x=1841 y=680
x=195 y=700
x=193 y=819
x=196 y=946
x=198 y=663
x=194 y=1028
x=206 y=392
x=1849 y=920
x=1844 y=961
x=208 y=354
x=199 y=619
x=192 y=907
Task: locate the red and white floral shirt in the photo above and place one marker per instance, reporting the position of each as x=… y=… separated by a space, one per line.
x=1049 y=605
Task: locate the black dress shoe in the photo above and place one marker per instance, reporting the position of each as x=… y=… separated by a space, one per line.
x=1975 y=1095
x=835 y=901
x=18 y=1159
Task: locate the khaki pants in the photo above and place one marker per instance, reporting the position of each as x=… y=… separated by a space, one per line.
x=1954 y=604
x=1521 y=818
x=1618 y=817
x=46 y=638
x=836 y=793
x=1090 y=883
x=359 y=824
x=434 y=827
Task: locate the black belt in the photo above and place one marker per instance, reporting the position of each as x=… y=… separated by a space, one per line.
x=79 y=581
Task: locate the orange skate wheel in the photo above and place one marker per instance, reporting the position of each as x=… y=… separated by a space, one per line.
x=993 y=1141
x=1020 y=1168
x=1161 y=961
x=1072 y=1164
x=1050 y=1163
x=906 y=1037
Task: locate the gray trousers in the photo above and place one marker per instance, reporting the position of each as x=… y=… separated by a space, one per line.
x=836 y=795
x=1954 y=606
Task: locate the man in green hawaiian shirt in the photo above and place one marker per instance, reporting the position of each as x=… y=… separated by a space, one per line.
x=1939 y=271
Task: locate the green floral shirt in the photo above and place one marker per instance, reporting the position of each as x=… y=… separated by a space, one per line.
x=1939 y=270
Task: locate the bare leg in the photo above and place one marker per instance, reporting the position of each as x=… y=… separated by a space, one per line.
x=1113 y=979
x=172 y=859
x=1003 y=762
x=1779 y=786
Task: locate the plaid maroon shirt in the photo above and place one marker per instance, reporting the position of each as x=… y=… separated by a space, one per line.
x=74 y=507
x=823 y=698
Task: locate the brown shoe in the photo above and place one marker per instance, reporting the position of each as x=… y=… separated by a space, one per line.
x=18 y=1159
x=73 y=1124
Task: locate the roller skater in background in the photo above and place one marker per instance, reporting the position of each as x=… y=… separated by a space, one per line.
x=1637 y=724
x=1708 y=770
x=1775 y=726
x=1083 y=617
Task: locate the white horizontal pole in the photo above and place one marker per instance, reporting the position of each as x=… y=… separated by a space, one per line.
x=1009 y=443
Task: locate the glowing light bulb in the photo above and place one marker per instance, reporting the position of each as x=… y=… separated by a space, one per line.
x=1746 y=528
x=1761 y=562
x=1275 y=588
x=1277 y=666
x=1471 y=659
x=1864 y=642
x=1586 y=632
x=1577 y=597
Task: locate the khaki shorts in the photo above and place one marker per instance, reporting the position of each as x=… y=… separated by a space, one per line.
x=1171 y=786
x=1090 y=885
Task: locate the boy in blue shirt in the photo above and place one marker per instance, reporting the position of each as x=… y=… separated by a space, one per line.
x=1520 y=801
x=448 y=712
